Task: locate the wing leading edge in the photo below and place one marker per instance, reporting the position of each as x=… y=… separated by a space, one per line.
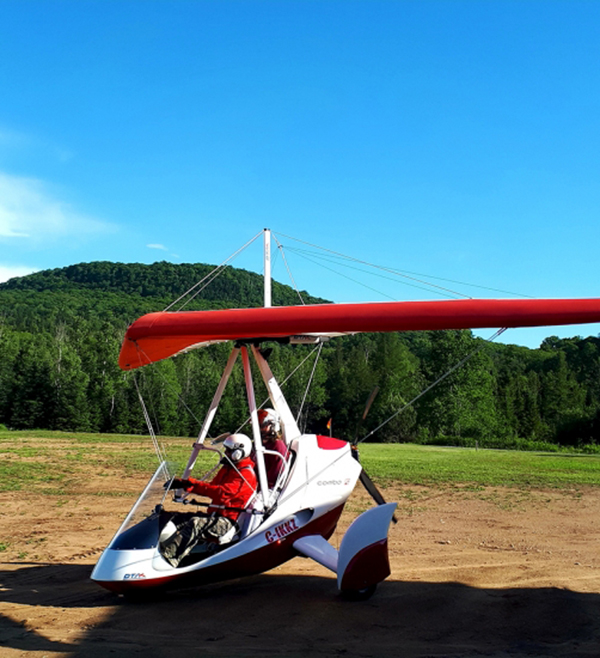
x=156 y=336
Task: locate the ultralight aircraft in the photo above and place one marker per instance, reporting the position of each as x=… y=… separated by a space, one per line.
x=297 y=515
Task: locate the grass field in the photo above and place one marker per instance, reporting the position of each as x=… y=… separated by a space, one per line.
x=415 y=464
x=56 y=462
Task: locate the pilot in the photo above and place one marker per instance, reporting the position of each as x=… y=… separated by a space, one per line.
x=230 y=492
x=270 y=433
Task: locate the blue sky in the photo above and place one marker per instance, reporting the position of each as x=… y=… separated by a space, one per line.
x=455 y=139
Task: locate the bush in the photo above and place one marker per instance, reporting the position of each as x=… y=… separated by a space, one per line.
x=496 y=443
x=591 y=449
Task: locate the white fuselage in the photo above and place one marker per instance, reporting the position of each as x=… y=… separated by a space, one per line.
x=320 y=479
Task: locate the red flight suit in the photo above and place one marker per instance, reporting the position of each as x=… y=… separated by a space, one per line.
x=231 y=487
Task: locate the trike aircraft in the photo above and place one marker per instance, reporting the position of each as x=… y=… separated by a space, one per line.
x=297 y=514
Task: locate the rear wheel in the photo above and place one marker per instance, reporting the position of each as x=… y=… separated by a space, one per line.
x=359 y=594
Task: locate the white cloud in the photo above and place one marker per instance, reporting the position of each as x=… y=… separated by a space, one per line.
x=29 y=212
x=10 y=272
x=157 y=246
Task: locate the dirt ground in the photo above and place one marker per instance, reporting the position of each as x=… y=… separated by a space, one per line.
x=474 y=573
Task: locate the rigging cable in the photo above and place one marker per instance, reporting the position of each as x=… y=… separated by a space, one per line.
x=170 y=386
x=160 y=450
x=304 y=253
x=179 y=397
x=158 y=447
x=435 y=383
x=406 y=274
x=280 y=247
x=380 y=267
x=284 y=382
x=345 y=276
x=335 y=461
x=211 y=276
x=312 y=374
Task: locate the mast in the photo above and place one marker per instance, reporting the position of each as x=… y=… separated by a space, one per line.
x=267 y=268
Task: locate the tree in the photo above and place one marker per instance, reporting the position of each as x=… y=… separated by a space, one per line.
x=400 y=380
x=32 y=395
x=463 y=403
x=9 y=351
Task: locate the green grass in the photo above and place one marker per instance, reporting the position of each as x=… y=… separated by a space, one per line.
x=429 y=465
x=58 y=463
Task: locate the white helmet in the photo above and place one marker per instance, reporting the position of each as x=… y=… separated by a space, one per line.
x=239 y=446
x=268 y=420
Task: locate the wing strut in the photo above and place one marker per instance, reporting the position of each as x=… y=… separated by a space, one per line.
x=211 y=411
x=277 y=398
x=258 y=446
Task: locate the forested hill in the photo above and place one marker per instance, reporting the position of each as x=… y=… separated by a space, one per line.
x=119 y=292
x=163 y=280
x=61 y=331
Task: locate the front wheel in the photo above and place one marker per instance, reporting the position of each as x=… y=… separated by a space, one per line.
x=359 y=594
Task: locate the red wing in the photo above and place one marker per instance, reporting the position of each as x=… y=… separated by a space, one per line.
x=159 y=335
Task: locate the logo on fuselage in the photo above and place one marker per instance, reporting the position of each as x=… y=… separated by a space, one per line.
x=134 y=576
x=280 y=531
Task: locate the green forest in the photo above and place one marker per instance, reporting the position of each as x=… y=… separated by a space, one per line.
x=61 y=331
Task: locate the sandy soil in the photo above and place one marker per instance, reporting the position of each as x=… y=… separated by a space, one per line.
x=475 y=573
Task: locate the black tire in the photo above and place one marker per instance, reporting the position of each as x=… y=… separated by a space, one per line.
x=359 y=594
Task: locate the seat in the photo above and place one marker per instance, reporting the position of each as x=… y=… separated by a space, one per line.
x=251 y=517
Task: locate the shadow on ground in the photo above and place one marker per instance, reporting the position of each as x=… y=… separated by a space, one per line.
x=299 y=616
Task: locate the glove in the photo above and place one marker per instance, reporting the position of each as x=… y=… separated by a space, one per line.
x=178 y=483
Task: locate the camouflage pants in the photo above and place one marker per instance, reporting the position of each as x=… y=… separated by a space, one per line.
x=191 y=532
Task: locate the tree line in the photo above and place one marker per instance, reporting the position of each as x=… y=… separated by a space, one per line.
x=61 y=331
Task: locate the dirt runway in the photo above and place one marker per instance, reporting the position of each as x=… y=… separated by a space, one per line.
x=493 y=572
